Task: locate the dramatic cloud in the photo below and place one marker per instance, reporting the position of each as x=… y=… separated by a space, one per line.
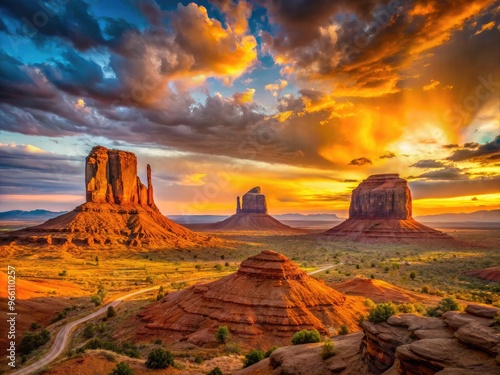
x=360 y=161
x=428 y=164
x=485 y=153
x=387 y=155
x=448 y=173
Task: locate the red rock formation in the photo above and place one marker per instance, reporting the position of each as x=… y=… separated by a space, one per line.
x=265 y=302
x=111 y=177
x=458 y=343
x=381 y=196
x=254 y=202
x=119 y=210
x=251 y=215
x=380 y=210
x=491 y=274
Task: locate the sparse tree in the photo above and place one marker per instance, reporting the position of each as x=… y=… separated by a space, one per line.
x=122 y=368
x=111 y=312
x=159 y=358
x=222 y=334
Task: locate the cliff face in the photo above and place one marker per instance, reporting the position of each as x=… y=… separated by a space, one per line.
x=381 y=196
x=253 y=202
x=381 y=211
x=111 y=177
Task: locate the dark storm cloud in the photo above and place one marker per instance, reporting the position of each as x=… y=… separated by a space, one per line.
x=71 y=22
x=360 y=161
x=448 y=173
x=428 y=163
x=32 y=172
x=485 y=153
x=373 y=36
x=451 y=146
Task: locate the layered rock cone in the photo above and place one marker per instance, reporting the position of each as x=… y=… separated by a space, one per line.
x=381 y=210
x=264 y=303
x=120 y=210
x=251 y=214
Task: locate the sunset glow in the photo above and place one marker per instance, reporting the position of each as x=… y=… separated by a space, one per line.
x=223 y=95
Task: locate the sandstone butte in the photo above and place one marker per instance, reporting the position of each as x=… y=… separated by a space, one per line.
x=251 y=214
x=119 y=210
x=459 y=343
x=264 y=303
x=381 y=210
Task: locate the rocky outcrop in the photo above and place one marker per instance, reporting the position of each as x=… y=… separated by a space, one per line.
x=251 y=215
x=254 y=202
x=120 y=210
x=306 y=359
x=264 y=303
x=458 y=343
x=381 y=210
x=111 y=177
x=381 y=196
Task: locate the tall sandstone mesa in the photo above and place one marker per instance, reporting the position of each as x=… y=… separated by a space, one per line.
x=119 y=210
x=251 y=214
x=381 y=210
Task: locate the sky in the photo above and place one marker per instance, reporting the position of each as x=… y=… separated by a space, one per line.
x=303 y=98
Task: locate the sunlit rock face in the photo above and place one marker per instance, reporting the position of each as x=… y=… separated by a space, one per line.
x=111 y=177
x=253 y=202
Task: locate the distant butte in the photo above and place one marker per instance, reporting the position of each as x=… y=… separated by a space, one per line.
x=381 y=210
x=264 y=303
x=119 y=210
x=251 y=214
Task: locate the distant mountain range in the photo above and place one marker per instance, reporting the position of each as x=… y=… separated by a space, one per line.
x=209 y=219
x=483 y=216
x=35 y=215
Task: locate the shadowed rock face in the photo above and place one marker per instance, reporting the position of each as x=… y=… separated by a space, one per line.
x=111 y=177
x=381 y=196
x=380 y=211
x=253 y=202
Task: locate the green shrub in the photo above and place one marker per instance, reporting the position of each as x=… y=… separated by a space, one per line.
x=111 y=312
x=343 y=330
x=222 y=334
x=89 y=330
x=253 y=357
x=122 y=369
x=32 y=341
x=381 y=312
x=305 y=337
x=215 y=371
x=34 y=326
x=96 y=299
x=63 y=273
x=413 y=275
x=327 y=350
x=445 y=305
x=159 y=358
